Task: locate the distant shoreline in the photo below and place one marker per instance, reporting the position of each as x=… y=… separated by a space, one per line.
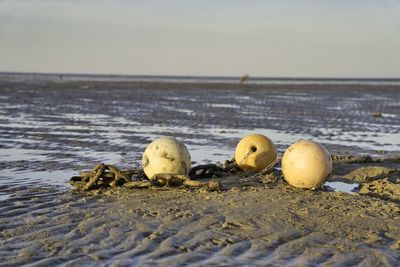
x=194 y=79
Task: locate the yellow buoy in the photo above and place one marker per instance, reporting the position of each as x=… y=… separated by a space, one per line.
x=306 y=164
x=255 y=152
x=166 y=155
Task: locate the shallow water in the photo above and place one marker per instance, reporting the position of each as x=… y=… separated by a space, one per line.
x=197 y=141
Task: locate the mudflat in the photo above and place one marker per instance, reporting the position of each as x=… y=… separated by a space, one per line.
x=51 y=130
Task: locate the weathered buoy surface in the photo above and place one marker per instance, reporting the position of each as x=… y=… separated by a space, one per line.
x=166 y=155
x=306 y=164
x=255 y=152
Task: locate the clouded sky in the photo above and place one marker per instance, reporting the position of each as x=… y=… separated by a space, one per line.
x=208 y=37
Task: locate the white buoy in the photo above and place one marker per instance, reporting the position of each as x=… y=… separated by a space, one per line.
x=255 y=152
x=166 y=155
x=306 y=164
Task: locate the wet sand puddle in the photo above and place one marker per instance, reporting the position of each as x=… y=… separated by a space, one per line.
x=343 y=187
x=50 y=138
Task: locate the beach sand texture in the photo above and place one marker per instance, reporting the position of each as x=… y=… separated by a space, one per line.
x=51 y=130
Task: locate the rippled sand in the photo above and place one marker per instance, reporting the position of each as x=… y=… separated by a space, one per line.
x=51 y=130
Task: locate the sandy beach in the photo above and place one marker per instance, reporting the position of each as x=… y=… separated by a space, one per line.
x=51 y=129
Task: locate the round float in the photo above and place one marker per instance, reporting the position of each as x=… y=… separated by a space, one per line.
x=255 y=152
x=166 y=155
x=306 y=164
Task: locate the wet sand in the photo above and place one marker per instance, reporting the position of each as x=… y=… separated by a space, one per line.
x=51 y=130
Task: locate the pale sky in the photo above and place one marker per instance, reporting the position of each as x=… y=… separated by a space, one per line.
x=298 y=38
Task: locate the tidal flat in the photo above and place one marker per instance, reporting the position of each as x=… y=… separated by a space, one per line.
x=51 y=129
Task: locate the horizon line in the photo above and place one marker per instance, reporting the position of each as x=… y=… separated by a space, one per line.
x=198 y=76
